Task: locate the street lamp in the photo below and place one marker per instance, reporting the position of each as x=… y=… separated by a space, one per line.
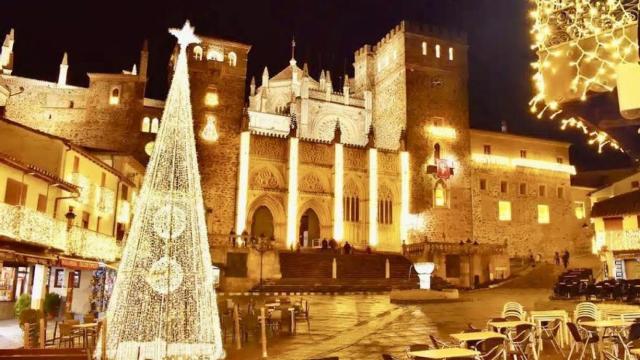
x=262 y=245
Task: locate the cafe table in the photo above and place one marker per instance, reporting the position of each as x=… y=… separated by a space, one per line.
x=446 y=353
x=463 y=338
x=85 y=327
x=602 y=326
x=509 y=324
x=538 y=317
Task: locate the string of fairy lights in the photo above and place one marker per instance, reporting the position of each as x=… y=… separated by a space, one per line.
x=163 y=304
x=580 y=43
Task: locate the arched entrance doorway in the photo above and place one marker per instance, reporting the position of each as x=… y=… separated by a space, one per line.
x=309 y=234
x=262 y=223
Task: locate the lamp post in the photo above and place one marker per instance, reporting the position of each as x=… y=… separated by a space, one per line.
x=262 y=245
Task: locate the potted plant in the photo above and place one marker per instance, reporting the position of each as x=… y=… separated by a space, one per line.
x=51 y=305
x=23 y=303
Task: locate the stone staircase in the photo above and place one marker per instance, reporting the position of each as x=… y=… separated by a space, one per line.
x=360 y=272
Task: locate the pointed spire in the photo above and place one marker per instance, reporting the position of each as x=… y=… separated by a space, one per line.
x=322 y=78
x=293 y=126
x=337 y=137
x=145 y=45
x=305 y=69
x=265 y=77
x=345 y=81
x=134 y=70
x=12 y=34
x=252 y=86
x=292 y=62
x=64 y=69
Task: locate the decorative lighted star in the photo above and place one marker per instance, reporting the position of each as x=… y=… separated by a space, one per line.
x=185 y=35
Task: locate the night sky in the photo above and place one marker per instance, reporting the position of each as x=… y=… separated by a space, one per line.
x=106 y=36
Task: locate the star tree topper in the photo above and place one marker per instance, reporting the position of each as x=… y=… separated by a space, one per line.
x=186 y=35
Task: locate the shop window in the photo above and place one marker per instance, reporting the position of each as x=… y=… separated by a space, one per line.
x=7 y=277
x=487 y=149
x=504 y=210
x=543 y=214
x=424 y=48
x=579 y=210
x=15 y=192
x=440 y=194
x=42 y=203
x=146 y=124
x=114 y=95
x=233 y=58
x=452 y=266
x=450 y=54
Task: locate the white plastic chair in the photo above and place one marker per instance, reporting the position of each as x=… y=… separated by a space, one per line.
x=513 y=309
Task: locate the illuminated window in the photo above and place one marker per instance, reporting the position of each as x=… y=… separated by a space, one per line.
x=155 y=125
x=542 y=191
x=424 y=48
x=522 y=189
x=504 y=210
x=483 y=184
x=560 y=193
x=146 y=124
x=211 y=99
x=215 y=54
x=523 y=154
x=148 y=148
x=114 y=96
x=438 y=51
x=233 y=58
x=450 y=54
x=487 y=149
x=197 y=52
x=504 y=187
x=579 y=209
x=440 y=195
x=543 y=214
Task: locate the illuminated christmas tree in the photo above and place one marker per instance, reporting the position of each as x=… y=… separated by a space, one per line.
x=163 y=304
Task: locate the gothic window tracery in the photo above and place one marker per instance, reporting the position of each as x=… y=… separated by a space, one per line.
x=385 y=206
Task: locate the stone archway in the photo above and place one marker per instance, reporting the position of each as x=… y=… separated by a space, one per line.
x=262 y=223
x=309 y=229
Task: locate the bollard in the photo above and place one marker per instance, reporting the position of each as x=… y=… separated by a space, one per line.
x=263 y=328
x=236 y=326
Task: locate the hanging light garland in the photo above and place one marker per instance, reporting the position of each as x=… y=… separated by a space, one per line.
x=580 y=44
x=164 y=304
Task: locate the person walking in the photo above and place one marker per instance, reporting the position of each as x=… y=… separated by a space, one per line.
x=565 y=259
x=557 y=258
x=347 y=248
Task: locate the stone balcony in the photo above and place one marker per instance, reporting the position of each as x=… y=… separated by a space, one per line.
x=28 y=226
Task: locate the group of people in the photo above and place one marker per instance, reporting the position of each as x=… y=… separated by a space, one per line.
x=565 y=258
x=333 y=244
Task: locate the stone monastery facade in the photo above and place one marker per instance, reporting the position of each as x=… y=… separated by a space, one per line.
x=387 y=160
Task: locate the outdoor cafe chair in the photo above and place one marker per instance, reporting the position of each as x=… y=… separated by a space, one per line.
x=549 y=332
x=302 y=313
x=439 y=344
x=491 y=348
x=67 y=335
x=522 y=341
x=495 y=320
x=582 y=339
